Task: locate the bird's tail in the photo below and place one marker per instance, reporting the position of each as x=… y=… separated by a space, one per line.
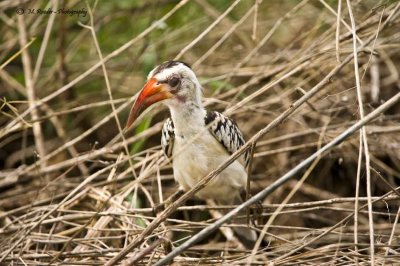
x=246 y=235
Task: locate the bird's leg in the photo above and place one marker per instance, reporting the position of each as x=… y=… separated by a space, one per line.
x=257 y=212
x=163 y=205
x=245 y=195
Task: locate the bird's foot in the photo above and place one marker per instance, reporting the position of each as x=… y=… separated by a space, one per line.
x=158 y=208
x=257 y=214
x=166 y=203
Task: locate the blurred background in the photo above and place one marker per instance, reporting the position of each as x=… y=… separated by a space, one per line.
x=71 y=185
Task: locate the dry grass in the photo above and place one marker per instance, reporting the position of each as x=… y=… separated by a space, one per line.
x=77 y=190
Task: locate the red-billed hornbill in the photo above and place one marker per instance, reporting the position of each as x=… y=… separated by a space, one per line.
x=195 y=155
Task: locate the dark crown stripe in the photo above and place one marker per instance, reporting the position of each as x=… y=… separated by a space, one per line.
x=169 y=64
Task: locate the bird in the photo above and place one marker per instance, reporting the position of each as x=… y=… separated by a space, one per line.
x=195 y=140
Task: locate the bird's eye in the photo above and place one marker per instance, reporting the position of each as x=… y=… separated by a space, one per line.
x=173 y=81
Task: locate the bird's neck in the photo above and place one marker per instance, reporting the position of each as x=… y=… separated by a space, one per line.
x=188 y=119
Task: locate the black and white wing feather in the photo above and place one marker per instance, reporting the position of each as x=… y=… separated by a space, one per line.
x=168 y=136
x=226 y=132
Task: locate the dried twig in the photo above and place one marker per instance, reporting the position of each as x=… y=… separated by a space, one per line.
x=363 y=134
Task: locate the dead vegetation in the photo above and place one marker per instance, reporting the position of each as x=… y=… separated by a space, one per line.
x=76 y=191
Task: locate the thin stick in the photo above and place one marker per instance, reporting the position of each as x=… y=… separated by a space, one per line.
x=17 y=54
x=344 y=22
x=396 y=220
x=364 y=136
x=254 y=33
x=45 y=41
x=222 y=39
x=338 y=30
x=204 y=33
x=29 y=83
x=144 y=252
x=248 y=178
x=108 y=86
x=356 y=203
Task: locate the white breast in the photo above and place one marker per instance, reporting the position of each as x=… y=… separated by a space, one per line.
x=195 y=160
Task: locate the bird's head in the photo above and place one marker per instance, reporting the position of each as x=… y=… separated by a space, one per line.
x=172 y=82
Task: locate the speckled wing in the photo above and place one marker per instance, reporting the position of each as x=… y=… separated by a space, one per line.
x=167 y=137
x=226 y=132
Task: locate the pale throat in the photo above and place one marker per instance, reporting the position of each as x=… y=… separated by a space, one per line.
x=188 y=118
